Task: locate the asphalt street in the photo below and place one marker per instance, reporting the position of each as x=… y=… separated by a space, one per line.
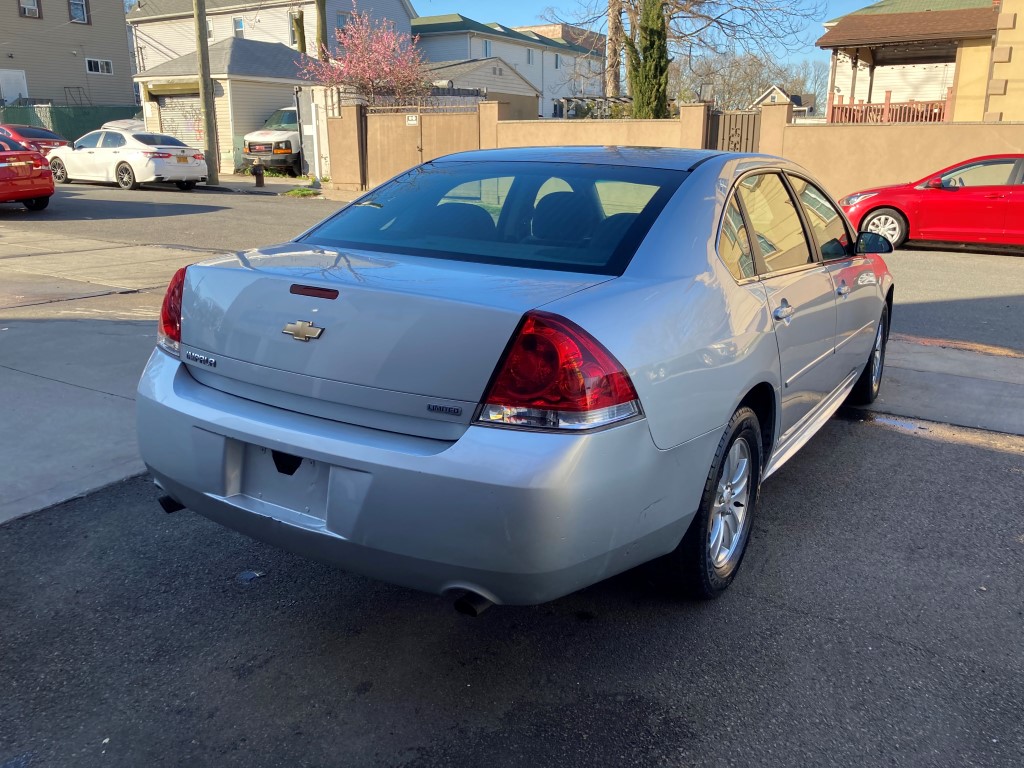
x=876 y=622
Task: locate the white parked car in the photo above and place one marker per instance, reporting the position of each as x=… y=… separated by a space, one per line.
x=129 y=158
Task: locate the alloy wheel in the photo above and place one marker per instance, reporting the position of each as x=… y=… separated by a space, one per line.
x=729 y=516
x=887 y=226
x=877 y=358
x=60 y=173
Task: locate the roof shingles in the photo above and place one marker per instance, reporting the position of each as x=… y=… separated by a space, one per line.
x=863 y=30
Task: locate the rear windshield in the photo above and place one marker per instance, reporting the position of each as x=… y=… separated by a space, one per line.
x=10 y=145
x=563 y=216
x=158 y=140
x=32 y=132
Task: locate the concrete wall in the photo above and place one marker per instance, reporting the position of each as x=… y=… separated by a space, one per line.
x=846 y=158
x=1006 y=88
x=972 y=63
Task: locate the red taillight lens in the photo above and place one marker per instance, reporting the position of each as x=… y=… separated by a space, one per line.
x=38 y=161
x=163 y=155
x=557 y=376
x=198 y=157
x=168 y=335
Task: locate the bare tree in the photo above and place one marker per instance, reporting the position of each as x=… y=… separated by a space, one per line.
x=735 y=81
x=613 y=49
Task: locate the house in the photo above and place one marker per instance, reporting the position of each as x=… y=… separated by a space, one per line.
x=64 y=52
x=803 y=104
x=164 y=29
x=251 y=79
x=558 y=60
x=494 y=78
x=927 y=61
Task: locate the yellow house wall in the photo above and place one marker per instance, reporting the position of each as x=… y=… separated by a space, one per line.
x=971 y=81
x=1011 y=104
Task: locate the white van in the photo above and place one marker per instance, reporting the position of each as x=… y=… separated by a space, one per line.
x=276 y=144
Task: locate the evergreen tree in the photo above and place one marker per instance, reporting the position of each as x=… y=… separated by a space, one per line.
x=647 y=62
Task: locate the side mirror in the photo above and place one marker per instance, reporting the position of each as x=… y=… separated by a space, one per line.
x=934 y=183
x=871 y=242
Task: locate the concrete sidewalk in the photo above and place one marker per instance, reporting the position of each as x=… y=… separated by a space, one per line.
x=78 y=321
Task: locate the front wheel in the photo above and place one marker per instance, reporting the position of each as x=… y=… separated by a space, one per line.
x=707 y=559
x=36 y=203
x=868 y=385
x=59 y=171
x=126 y=177
x=185 y=186
x=889 y=223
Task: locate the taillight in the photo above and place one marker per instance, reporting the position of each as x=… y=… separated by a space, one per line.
x=168 y=336
x=555 y=375
x=38 y=161
x=197 y=156
x=163 y=155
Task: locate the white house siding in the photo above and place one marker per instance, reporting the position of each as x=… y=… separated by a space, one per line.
x=161 y=40
x=917 y=82
x=486 y=77
x=445 y=47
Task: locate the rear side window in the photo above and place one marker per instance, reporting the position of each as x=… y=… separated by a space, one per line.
x=777 y=227
x=734 y=244
x=158 y=140
x=560 y=216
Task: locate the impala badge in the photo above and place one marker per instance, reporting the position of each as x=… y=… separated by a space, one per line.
x=302 y=330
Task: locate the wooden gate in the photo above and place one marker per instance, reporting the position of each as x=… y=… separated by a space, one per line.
x=733 y=131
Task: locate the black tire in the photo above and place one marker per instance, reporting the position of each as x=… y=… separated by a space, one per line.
x=59 y=171
x=690 y=569
x=293 y=171
x=36 y=203
x=868 y=385
x=185 y=186
x=125 y=177
x=889 y=223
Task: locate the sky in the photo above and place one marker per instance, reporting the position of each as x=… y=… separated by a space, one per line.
x=520 y=13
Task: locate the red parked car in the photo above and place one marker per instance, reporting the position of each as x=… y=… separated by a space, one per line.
x=42 y=140
x=25 y=176
x=976 y=201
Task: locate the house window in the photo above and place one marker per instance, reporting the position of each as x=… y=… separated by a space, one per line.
x=291 y=28
x=529 y=55
x=558 y=61
x=29 y=9
x=774 y=98
x=238 y=24
x=487 y=49
x=209 y=29
x=78 y=11
x=341 y=20
x=99 y=66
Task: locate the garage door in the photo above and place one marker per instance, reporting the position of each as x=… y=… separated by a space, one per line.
x=181 y=116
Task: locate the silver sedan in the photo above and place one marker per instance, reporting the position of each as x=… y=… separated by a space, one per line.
x=505 y=375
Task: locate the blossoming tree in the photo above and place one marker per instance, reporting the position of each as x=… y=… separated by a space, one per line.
x=374 y=59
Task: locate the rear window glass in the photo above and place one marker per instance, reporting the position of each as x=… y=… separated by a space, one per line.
x=10 y=145
x=561 y=216
x=31 y=132
x=158 y=140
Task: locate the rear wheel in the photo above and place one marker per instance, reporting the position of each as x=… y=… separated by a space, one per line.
x=36 y=203
x=185 y=186
x=868 y=385
x=889 y=223
x=706 y=561
x=60 y=173
x=126 y=177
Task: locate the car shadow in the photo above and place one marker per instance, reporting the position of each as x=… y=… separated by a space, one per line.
x=71 y=205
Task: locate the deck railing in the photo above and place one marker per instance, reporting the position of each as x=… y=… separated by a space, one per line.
x=891 y=111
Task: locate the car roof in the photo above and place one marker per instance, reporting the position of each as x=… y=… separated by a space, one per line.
x=643 y=157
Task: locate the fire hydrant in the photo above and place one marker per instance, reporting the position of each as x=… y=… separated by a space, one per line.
x=257 y=171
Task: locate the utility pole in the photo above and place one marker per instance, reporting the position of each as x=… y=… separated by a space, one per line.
x=206 y=92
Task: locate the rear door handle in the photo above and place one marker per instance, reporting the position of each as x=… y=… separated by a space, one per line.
x=784 y=312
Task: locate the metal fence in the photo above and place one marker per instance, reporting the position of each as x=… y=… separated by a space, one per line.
x=71 y=121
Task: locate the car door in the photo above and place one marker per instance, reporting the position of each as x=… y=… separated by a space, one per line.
x=1014 y=232
x=856 y=285
x=108 y=154
x=970 y=206
x=81 y=161
x=800 y=293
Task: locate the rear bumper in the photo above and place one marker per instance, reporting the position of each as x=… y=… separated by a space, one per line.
x=517 y=516
x=26 y=189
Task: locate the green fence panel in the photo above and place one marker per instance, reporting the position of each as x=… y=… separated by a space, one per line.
x=70 y=122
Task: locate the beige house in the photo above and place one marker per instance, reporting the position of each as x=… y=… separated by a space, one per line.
x=494 y=78
x=927 y=61
x=164 y=29
x=64 y=52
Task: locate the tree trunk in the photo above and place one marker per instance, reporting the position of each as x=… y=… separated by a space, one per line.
x=322 y=49
x=299 y=27
x=613 y=49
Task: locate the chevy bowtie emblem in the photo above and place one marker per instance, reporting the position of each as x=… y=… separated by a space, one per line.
x=302 y=331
